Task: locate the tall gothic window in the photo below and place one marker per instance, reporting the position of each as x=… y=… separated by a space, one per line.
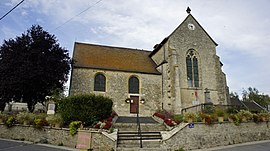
x=192 y=69
x=133 y=85
x=100 y=82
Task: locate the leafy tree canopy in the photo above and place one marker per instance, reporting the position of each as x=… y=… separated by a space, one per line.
x=32 y=66
x=234 y=95
x=253 y=94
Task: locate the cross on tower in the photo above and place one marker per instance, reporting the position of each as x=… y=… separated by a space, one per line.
x=188 y=10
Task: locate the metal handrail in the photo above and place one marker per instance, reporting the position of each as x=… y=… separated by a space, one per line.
x=200 y=107
x=139 y=126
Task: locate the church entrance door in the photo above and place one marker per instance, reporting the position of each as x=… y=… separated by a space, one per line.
x=134 y=104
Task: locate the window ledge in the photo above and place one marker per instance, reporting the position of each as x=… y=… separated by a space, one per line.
x=193 y=88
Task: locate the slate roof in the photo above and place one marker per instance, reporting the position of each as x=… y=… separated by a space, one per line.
x=250 y=105
x=236 y=102
x=113 y=58
x=253 y=106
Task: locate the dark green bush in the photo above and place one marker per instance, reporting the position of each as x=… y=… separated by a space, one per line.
x=208 y=108
x=233 y=110
x=85 y=108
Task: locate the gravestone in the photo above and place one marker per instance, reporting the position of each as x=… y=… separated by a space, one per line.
x=51 y=108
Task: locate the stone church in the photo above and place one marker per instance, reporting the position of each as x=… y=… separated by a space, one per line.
x=181 y=71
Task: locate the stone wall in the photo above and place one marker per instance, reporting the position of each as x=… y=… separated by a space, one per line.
x=204 y=136
x=45 y=135
x=55 y=136
x=199 y=137
x=117 y=89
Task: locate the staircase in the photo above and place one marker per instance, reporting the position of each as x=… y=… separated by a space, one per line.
x=128 y=137
x=131 y=140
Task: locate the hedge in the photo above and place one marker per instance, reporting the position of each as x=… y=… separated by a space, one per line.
x=86 y=108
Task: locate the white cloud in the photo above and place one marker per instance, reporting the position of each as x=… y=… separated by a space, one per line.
x=239 y=27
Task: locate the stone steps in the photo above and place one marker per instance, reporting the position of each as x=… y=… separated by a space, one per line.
x=136 y=136
x=132 y=139
x=138 y=149
x=136 y=143
x=144 y=127
x=128 y=138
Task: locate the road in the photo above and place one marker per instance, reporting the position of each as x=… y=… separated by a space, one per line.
x=10 y=145
x=251 y=146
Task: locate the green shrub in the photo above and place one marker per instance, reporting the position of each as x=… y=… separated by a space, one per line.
x=178 y=117
x=208 y=108
x=85 y=108
x=73 y=126
x=264 y=117
x=3 y=117
x=25 y=118
x=245 y=115
x=232 y=110
x=40 y=121
x=180 y=149
x=235 y=119
x=10 y=121
x=55 y=120
x=256 y=118
x=189 y=116
x=219 y=112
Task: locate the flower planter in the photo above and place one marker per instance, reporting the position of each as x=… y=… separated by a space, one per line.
x=220 y=119
x=244 y=119
x=57 y=125
x=203 y=120
x=25 y=122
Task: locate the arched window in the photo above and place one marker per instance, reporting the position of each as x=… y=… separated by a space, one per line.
x=100 y=82
x=192 y=69
x=133 y=85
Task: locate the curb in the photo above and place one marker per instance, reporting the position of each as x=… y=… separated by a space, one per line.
x=234 y=145
x=46 y=145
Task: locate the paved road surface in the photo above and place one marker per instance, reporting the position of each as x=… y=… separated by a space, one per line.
x=252 y=146
x=9 y=145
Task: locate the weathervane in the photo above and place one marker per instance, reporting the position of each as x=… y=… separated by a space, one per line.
x=188 y=10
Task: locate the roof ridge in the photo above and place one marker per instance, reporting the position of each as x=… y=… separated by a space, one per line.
x=99 y=45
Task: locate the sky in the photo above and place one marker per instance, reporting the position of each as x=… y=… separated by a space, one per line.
x=240 y=27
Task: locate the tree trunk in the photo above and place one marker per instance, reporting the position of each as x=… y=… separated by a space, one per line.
x=31 y=106
x=2 y=105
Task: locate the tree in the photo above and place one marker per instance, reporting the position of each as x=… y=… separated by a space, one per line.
x=253 y=94
x=234 y=95
x=32 y=66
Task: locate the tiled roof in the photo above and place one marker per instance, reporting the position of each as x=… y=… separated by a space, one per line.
x=113 y=58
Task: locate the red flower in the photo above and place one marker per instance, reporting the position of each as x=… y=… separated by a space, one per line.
x=170 y=122
x=97 y=125
x=159 y=115
x=114 y=114
x=108 y=125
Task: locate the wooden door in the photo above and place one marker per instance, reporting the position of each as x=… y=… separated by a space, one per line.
x=134 y=104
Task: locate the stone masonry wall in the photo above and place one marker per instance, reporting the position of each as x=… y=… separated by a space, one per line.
x=55 y=136
x=45 y=135
x=117 y=89
x=204 y=136
x=175 y=75
x=199 y=137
